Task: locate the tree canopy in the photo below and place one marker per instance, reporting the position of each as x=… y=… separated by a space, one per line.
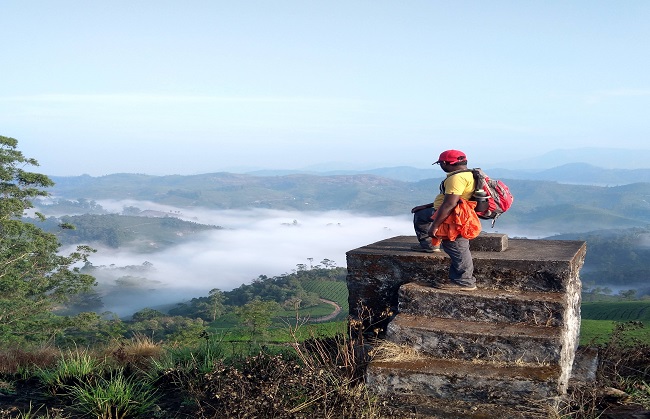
x=34 y=277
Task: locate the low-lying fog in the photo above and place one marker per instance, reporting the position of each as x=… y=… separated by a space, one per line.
x=254 y=242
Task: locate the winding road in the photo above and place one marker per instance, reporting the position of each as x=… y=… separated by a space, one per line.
x=337 y=310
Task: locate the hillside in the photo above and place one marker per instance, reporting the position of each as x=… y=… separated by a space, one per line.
x=541 y=207
x=144 y=233
x=616 y=258
x=577 y=173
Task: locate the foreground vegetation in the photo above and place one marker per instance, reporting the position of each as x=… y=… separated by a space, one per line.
x=623 y=376
x=209 y=379
x=317 y=377
x=600 y=320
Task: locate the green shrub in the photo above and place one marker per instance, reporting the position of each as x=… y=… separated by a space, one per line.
x=72 y=366
x=114 y=397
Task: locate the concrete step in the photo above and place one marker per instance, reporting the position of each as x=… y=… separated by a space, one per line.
x=484 y=305
x=469 y=381
x=451 y=338
x=425 y=407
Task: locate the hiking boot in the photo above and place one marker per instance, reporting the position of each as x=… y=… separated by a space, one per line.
x=418 y=248
x=452 y=286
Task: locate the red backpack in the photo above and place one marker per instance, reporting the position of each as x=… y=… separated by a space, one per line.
x=498 y=195
x=495 y=192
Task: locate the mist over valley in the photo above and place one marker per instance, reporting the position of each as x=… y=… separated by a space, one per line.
x=249 y=243
x=178 y=237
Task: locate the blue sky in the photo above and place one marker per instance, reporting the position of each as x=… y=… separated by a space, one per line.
x=171 y=87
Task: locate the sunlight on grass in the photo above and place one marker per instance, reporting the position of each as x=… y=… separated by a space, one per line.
x=599 y=332
x=71 y=366
x=386 y=350
x=115 y=397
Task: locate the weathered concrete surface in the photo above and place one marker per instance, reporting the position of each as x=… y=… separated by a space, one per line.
x=376 y=271
x=556 y=311
x=470 y=340
x=585 y=366
x=413 y=406
x=483 y=305
x=489 y=242
x=522 y=323
x=464 y=380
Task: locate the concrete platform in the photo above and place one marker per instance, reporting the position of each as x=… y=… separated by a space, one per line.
x=489 y=242
x=469 y=340
x=378 y=270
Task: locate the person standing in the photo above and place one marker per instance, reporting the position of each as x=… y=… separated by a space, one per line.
x=457 y=188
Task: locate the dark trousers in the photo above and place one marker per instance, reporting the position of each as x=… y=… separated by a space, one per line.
x=461 y=269
x=422 y=223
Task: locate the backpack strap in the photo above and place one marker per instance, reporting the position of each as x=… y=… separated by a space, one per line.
x=474 y=172
x=494 y=220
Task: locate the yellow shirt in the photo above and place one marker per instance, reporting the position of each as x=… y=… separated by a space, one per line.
x=456 y=184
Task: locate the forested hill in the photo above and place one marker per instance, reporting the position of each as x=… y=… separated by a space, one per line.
x=228 y=191
x=539 y=205
x=616 y=257
x=145 y=234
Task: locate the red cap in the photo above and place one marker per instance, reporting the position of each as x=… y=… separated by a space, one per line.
x=451 y=157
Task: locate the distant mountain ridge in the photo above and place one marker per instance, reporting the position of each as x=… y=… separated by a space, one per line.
x=541 y=207
x=579 y=173
x=609 y=158
x=606 y=158
x=575 y=173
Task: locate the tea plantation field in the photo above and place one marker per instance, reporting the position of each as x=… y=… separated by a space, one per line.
x=599 y=319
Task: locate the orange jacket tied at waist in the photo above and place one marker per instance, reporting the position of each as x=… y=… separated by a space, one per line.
x=463 y=222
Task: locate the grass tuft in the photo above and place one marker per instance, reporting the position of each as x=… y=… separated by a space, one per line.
x=114 y=397
x=139 y=352
x=72 y=366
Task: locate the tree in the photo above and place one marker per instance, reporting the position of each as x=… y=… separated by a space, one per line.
x=628 y=294
x=207 y=308
x=147 y=314
x=34 y=278
x=215 y=304
x=328 y=264
x=256 y=315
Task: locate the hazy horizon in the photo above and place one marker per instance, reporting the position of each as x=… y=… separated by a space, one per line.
x=598 y=157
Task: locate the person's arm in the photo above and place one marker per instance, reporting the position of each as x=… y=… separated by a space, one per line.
x=421 y=207
x=443 y=212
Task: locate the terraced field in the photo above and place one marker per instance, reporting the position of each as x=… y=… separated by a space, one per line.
x=336 y=291
x=620 y=311
x=600 y=318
